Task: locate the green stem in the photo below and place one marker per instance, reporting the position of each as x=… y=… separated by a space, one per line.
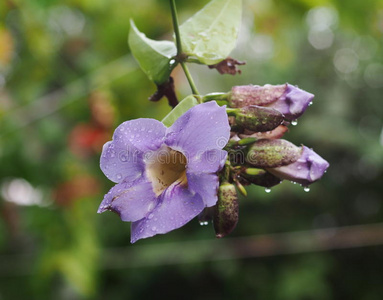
x=216 y=96
x=232 y=111
x=190 y=79
x=179 y=48
x=176 y=26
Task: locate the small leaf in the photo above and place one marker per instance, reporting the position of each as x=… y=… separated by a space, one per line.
x=154 y=57
x=179 y=110
x=211 y=33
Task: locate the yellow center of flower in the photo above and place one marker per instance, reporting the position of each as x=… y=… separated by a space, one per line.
x=164 y=167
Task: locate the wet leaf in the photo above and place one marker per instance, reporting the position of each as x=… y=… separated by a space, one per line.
x=211 y=34
x=154 y=57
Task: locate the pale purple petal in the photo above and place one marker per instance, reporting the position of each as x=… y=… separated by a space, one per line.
x=210 y=161
x=176 y=207
x=308 y=168
x=206 y=185
x=120 y=160
x=144 y=134
x=131 y=201
x=203 y=127
x=293 y=102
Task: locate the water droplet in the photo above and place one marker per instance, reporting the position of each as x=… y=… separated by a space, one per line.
x=311 y=103
x=203 y=223
x=119 y=176
x=154 y=228
x=306 y=189
x=267 y=190
x=150 y=216
x=294 y=122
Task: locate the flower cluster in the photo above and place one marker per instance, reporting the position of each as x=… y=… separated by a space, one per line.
x=167 y=176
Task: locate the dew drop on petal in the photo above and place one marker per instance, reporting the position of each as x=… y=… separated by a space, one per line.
x=119 y=176
x=294 y=122
x=150 y=216
x=154 y=228
x=306 y=189
x=267 y=190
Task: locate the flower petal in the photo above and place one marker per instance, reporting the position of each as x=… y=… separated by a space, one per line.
x=206 y=185
x=210 y=161
x=144 y=134
x=203 y=127
x=121 y=161
x=131 y=201
x=122 y=158
x=308 y=168
x=176 y=208
x=293 y=103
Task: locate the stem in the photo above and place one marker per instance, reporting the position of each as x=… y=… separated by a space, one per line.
x=190 y=79
x=216 y=96
x=179 y=47
x=232 y=111
x=176 y=26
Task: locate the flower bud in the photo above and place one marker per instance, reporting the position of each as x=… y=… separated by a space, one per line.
x=287 y=99
x=272 y=153
x=259 y=177
x=226 y=210
x=308 y=168
x=258 y=118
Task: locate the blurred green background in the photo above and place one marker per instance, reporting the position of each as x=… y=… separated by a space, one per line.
x=67 y=80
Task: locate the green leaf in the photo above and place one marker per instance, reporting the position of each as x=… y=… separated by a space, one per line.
x=179 y=110
x=154 y=57
x=211 y=34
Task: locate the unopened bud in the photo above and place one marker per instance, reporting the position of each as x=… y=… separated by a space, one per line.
x=254 y=171
x=241 y=188
x=287 y=99
x=264 y=179
x=226 y=210
x=272 y=153
x=258 y=118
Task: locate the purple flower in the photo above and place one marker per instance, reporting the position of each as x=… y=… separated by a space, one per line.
x=165 y=176
x=308 y=168
x=286 y=98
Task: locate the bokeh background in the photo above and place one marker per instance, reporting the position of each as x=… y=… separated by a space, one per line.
x=67 y=79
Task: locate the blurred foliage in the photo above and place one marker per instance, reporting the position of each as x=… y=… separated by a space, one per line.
x=67 y=80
